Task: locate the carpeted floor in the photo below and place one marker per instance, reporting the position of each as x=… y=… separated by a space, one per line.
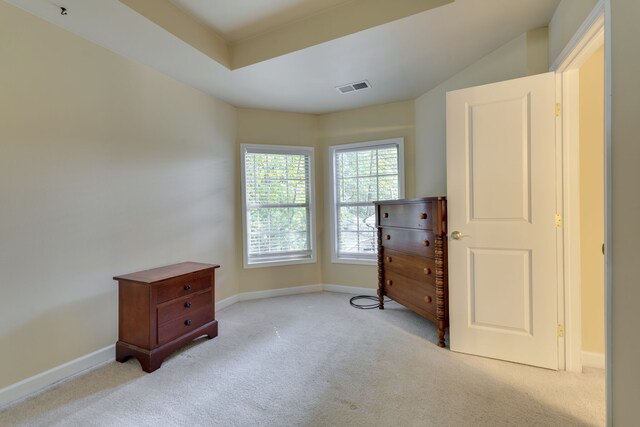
x=312 y=360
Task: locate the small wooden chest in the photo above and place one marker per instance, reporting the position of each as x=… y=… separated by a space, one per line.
x=162 y=309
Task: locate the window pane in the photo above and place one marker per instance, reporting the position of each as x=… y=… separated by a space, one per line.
x=367 y=163
x=388 y=188
x=298 y=192
x=348 y=242
x=347 y=164
x=297 y=167
x=277 y=191
x=367 y=189
x=367 y=242
x=367 y=216
x=388 y=161
x=363 y=175
x=348 y=218
x=348 y=190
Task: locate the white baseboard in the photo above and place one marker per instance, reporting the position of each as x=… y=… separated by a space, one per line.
x=350 y=290
x=48 y=378
x=222 y=304
x=246 y=296
x=592 y=360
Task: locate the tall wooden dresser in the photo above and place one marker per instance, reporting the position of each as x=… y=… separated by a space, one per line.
x=412 y=257
x=162 y=309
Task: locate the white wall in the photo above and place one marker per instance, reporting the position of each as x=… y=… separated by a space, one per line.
x=106 y=167
x=625 y=205
x=568 y=17
x=523 y=56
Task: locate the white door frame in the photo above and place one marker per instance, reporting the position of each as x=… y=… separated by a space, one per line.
x=589 y=38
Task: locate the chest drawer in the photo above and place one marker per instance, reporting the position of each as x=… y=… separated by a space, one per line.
x=408 y=291
x=184 y=306
x=413 y=215
x=410 y=266
x=184 y=324
x=418 y=242
x=182 y=286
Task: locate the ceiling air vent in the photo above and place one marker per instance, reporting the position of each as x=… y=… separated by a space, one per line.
x=353 y=87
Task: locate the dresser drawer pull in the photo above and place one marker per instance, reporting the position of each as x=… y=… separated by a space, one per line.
x=187 y=287
x=187 y=304
x=424 y=215
x=386 y=214
x=389 y=282
x=387 y=237
x=389 y=259
x=427 y=271
x=425 y=243
x=188 y=322
x=428 y=299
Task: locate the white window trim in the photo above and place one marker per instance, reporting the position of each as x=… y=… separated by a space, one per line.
x=284 y=149
x=332 y=193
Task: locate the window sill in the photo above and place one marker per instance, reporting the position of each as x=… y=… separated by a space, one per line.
x=354 y=261
x=265 y=264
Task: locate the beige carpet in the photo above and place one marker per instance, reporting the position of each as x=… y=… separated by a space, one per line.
x=312 y=360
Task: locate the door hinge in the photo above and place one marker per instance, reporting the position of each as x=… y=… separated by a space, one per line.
x=558 y=220
x=558 y=109
x=560 y=331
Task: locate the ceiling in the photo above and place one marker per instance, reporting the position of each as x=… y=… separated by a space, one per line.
x=402 y=58
x=236 y=20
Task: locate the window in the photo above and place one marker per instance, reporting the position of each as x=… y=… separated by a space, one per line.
x=277 y=202
x=362 y=173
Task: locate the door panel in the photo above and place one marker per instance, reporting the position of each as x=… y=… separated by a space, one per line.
x=512 y=142
x=501 y=197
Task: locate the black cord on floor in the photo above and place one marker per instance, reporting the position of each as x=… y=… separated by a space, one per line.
x=367 y=306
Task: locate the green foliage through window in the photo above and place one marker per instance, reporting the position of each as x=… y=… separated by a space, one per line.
x=277 y=200
x=362 y=176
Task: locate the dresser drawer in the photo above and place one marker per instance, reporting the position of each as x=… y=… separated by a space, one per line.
x=184 y=324
x=411 y=266
x=408 y=291
x=182 y=286
x=410 y=215
x=173 y=309
x=419 y=242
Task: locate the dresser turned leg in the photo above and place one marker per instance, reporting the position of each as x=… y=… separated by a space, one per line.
x=380 y=299
x=441 y=326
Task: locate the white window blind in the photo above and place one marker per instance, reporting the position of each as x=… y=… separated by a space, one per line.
x=278 y=204
x=363 y=173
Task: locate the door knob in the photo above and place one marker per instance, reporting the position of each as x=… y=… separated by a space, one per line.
x=456 y=235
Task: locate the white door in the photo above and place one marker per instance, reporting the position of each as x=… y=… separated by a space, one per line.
x=501 y=191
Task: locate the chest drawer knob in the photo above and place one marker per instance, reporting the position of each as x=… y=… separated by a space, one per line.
x=424 y=215
x=428 y=299
x=389 y=259
x=188 y=322
x=187 y=304
x=425 y=243
x=386 y=215
x=389 y=282
x=427 y=271
x=387 y=237
x=187 y=287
